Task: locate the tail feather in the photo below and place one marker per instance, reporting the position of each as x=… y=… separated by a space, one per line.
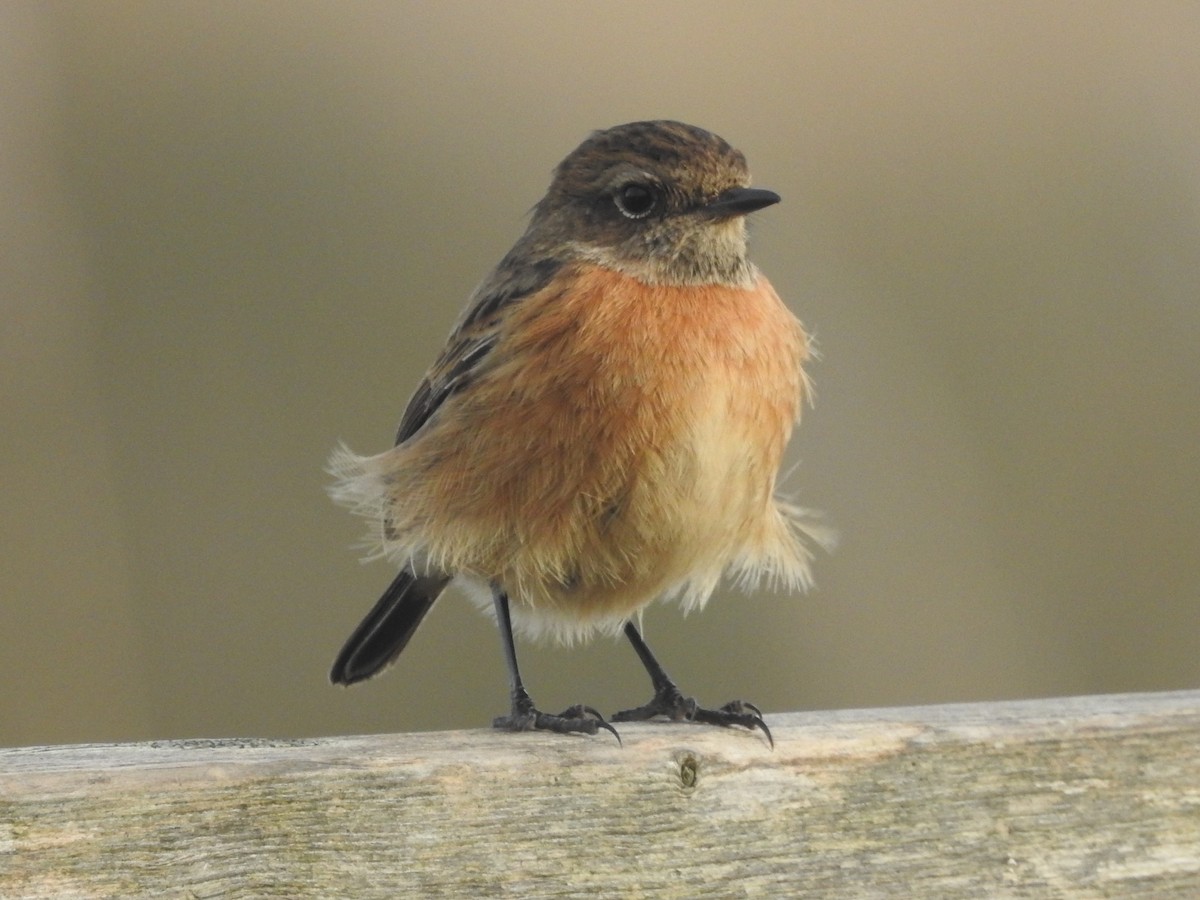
x=380 y=637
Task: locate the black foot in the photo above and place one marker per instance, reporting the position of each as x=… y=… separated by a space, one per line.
x=577 y=719
x=669 y=702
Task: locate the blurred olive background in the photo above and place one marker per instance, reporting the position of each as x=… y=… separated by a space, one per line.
x=236 y=233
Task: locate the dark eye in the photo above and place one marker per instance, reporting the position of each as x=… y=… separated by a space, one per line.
x=636 y=200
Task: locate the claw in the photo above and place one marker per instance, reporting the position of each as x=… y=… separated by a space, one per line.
x=674 y=706
x=668 y=701
x=744 y=704
x=736 y=712
x=748 y=716
x=587 y=713
x=524 y=716
x=578 y=719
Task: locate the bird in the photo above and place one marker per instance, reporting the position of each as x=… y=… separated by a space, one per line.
x=603 y=428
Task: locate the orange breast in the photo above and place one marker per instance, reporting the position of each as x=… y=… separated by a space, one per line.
x=624 y=431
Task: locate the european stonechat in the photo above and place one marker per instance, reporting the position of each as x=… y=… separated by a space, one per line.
x=604 y=426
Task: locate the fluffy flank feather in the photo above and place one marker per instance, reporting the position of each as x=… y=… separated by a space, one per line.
x=359 y=486
x=784 y=559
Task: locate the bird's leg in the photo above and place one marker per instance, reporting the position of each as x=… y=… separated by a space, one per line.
x=524 y=715
x=668 y=701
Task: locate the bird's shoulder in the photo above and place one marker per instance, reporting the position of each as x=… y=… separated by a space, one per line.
x=519 y=275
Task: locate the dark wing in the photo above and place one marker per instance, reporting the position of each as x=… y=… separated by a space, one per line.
x=474 y=336
x=451 y=371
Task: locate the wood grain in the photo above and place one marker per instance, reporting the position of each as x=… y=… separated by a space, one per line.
x=1088 y=797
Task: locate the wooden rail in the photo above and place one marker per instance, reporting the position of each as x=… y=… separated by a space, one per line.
x=1088 y=796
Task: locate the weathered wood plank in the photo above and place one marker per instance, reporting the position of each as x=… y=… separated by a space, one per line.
x=1091 y=796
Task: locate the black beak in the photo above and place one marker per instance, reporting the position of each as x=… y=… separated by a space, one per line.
x=739 y=202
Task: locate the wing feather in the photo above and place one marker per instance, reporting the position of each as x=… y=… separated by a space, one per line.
x=473 y=337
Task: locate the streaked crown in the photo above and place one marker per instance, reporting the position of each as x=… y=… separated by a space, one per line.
x=660 y=200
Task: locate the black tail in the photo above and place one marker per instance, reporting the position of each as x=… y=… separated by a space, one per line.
x=380 y=637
